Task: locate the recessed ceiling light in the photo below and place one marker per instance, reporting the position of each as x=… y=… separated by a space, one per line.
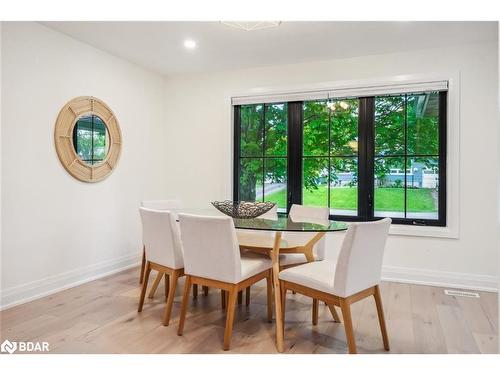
x=190 y=44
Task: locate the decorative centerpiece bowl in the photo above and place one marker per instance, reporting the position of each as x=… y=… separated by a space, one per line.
x=242 y=209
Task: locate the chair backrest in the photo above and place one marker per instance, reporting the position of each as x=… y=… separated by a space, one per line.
x=297 y=211
x=211 y=248
x=161 y=238
x=359 y=263
x=167 y=204
x=302 y=213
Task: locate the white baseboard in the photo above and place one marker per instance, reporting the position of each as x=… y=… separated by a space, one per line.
x=457 y=280
x=37 y=289
x=28 y=292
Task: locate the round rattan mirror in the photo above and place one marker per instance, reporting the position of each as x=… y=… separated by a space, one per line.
x=87 y=139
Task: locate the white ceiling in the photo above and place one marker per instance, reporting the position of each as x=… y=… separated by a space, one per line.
x=159 y=45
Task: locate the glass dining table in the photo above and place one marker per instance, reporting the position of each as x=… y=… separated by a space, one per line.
x=265 y=235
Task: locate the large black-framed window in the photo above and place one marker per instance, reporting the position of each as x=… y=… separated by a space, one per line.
x=363 y=157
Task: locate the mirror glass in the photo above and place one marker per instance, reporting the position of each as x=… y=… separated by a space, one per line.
x=91 y=139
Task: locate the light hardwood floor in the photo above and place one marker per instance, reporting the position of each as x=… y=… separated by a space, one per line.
x=101 y=317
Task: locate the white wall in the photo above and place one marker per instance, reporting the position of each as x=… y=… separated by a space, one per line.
x=199 y=140
x=57 y=230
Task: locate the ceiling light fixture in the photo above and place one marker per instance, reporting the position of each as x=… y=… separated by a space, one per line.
x=190 y=44
x=333 y=105
x=253 y=25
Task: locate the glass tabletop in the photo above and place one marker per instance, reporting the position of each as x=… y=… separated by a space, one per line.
x=283 y=222
x=286 y=224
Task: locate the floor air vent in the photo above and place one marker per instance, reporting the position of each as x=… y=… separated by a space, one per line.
x=461 y=293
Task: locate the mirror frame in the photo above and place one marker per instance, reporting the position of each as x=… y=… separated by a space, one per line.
x=63 y=138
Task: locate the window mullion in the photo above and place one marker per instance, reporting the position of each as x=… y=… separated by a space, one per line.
x=329 y=156
x=294 y=157
x=405 y=187
x=366 y=134
x=236 y=152
x=263 y=124
x=443 y=102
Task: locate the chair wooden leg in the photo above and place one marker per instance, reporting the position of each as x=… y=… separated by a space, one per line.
x=223 y=299
x=205 y=290
x=158 y=278
x=247 y=295
x=381 y=319
x=283 y=291
x=269 y=291
x=170 y=298
x=277 y=293
x=167 y=286
x=231 y=305
x=335 y=316
x=144 y=286
x=240 y=297
x=185 y=301
x=315 y=309
x=195 y=291
x=349 y=332
x=143 y=265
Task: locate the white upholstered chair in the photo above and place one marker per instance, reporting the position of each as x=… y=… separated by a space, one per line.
x=167 y=204
x=161 y=205
x=355 y=275
x=162 y=242
x=212 y=258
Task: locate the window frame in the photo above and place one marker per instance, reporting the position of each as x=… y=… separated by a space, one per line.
x=442 y=155
x=366 y=160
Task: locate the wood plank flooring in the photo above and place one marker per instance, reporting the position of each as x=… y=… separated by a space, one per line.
x=101 y=317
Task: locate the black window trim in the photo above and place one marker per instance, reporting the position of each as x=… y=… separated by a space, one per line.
x=366 y=159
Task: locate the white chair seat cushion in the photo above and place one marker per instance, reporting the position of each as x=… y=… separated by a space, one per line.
x=314 y=275
x=288 y=259
x=252 y=265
